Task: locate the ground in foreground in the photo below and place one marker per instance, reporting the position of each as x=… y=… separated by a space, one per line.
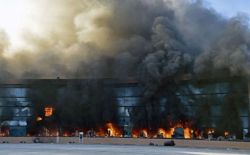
x=76 y=149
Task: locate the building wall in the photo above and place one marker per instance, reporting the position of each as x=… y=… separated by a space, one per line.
x=192 y=95
x=15 y=109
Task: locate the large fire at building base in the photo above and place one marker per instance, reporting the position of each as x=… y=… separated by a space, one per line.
x=119 y=108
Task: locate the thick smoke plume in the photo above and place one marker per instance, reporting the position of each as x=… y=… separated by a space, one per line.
x=124 y=38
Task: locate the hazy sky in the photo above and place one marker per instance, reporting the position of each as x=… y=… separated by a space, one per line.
x=230 y=8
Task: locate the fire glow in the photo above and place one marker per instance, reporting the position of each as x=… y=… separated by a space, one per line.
x=163 y=133
x=48 y=111
x=3 y=134
x=110 y=130
x=38 y=119
x=166 y=134
x=187 y=131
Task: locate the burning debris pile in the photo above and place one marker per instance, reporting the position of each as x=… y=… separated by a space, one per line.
x=178 y=130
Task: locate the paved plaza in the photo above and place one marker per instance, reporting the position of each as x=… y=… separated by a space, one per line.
x=76 y=149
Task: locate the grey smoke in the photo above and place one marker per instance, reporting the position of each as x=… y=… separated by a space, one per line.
x=229 y=51
x=125 y=38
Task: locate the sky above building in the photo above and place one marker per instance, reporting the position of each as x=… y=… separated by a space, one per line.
x=230 y=8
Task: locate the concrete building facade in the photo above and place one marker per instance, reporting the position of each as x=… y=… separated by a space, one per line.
x=16 y=107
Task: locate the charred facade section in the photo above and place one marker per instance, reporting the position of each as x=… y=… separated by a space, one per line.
x=196 y=108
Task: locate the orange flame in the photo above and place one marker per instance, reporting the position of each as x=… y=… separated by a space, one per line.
x=169 y=134
x=109 y=130
x=163 y=133
x=135 y=133
x=210 y=131
x=226 y=133
x=113 y=130
x=48 y=111
x=166 y=134
x=187 y=133
x=142 y=133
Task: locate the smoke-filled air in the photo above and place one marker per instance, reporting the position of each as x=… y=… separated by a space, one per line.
x=126 y=38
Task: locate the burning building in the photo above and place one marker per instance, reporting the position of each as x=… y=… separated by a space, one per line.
x=194 y=107
x=157 y=43
x=120 y=108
